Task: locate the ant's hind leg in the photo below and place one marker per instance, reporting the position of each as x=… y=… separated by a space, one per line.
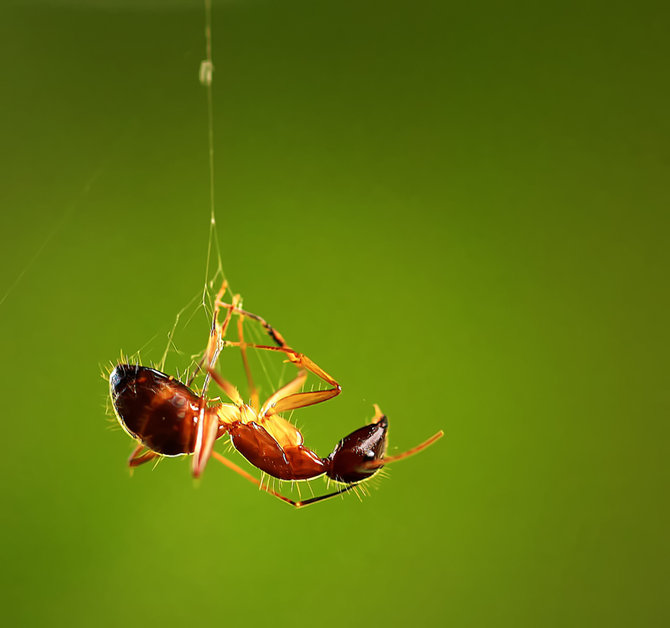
x=287 y=390
x=301 y=399
x=301 y=361
x=267 y=489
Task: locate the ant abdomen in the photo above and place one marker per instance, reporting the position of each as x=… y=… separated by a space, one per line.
x=156 y=409
x=354 y=456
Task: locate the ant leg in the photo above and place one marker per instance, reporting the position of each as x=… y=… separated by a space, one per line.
x=267 y=489
x=214 y=348
x=216 y=335
x=208 y=424
x=135 y=459
x=297 y=400
x=271 y=331
x=285 y=399
x=206 y=434
x=230 y=390
x=303 y=399
x=253 y=391
x=285 y=391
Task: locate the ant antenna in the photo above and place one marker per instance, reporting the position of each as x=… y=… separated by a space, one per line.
x=376 y=464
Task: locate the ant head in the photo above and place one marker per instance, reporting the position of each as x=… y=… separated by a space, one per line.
x=354 y=456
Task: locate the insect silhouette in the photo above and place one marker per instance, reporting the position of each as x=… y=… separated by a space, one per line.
x=168 y=418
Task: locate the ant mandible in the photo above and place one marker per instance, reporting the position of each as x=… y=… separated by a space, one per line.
x=168 y=418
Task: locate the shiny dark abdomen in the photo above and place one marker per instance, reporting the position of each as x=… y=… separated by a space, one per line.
x=155 y=408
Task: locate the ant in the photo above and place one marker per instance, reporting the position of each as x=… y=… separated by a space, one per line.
x=168 y=418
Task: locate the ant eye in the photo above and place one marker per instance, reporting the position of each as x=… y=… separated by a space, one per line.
x=370 y=455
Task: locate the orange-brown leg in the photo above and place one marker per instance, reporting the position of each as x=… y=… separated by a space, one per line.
x=289 y=402
x=253 y=391
x=216 y=335
x=297 y=358
x=208 y=424
x=204 y=443
x=271 y=331
x=137 y=457
x=267 y=489
x=302 y=399
x=230 y=390
x=296 y=400
x=285 y=391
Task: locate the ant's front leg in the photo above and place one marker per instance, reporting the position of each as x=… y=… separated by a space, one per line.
x=216 y=336
x=269 y=329
x=298 y=359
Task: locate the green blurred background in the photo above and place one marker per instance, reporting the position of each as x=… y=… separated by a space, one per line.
x=460 y=210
